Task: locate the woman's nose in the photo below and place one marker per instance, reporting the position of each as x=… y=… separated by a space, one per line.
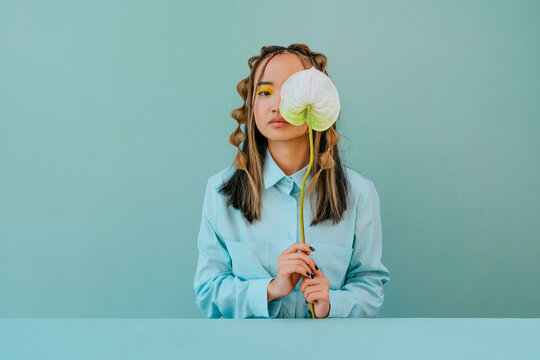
x=277 y=100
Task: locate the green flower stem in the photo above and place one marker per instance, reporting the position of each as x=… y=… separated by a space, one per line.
x=308 y=116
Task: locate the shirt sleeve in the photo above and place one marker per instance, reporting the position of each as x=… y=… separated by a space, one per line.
x=218 y=292
x=362 y=294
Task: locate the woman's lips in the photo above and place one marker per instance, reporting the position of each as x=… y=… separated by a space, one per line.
x=278 y=123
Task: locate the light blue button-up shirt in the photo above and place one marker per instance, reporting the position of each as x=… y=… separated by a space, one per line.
x=237 y=260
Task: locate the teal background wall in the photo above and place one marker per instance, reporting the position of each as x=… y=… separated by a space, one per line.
x=113 y=114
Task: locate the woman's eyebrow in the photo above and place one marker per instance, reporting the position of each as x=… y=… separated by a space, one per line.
x=265 y=83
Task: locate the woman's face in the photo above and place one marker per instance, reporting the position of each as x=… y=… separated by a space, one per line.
x=267 y=98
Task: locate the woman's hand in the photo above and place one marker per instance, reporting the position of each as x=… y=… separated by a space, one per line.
x=291 y=266
x=316 y=291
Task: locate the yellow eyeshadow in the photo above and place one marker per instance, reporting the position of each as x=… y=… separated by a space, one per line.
x=265 y=88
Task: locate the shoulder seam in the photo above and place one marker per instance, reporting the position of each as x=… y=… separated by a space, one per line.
x=212 y=188
x=216 y=199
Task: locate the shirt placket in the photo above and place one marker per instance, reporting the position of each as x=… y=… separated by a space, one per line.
x=300 y=304
x=289 y=305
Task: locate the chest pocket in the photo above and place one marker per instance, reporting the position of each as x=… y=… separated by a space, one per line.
x=250 y=259
x=333 y=262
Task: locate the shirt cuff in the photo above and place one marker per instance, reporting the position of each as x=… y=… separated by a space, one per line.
x=336 y=303
x=258 y=299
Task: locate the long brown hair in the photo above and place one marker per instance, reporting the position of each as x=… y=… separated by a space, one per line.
x=244 y=188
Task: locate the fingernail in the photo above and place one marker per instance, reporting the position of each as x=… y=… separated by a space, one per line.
x=312 y=249
x=307 y=273
x=316 y=267
x=312 y=276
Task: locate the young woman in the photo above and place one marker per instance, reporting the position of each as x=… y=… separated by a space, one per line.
x=251 y=255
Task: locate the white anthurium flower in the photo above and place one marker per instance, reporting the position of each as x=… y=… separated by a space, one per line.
x=309 y=96
x=313 y=90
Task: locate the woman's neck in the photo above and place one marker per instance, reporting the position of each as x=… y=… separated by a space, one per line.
x=290 y=156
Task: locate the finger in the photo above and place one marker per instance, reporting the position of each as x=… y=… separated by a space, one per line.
x=307 y=293
x=319 y=274
x=308 y=260
x=319 y=278
x=305 y=282
x=309 y=289
x=314 y=296
x=298 y=247
x=309 y=282
x=307 y=270
x=314 y=289
x=304 y=259
x=297 y=267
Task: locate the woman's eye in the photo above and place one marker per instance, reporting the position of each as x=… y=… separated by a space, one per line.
x=265 y=89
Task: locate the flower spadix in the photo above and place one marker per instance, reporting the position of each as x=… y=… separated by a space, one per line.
x=312 y=88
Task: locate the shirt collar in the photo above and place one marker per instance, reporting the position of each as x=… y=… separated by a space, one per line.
x=272 y=173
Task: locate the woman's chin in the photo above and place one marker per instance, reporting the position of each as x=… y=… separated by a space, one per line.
x=283 y=138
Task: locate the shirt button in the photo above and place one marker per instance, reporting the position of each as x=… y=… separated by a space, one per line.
x=289 y=180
